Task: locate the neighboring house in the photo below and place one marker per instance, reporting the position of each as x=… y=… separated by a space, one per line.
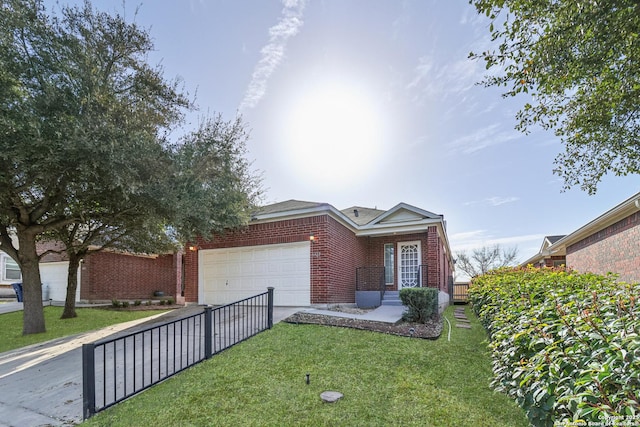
x=607 y=244
x=310 y=252
x=105 y=275
x=548 y=257
x=10 y=271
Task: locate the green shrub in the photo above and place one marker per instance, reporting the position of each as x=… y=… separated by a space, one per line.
x=421 y=303
x=115 y=303
x=565 y=346
x=170 y=301
x=162 y=302
x=125 y=304
x=137 y=302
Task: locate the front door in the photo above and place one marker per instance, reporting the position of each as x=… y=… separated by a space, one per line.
x=408 y=264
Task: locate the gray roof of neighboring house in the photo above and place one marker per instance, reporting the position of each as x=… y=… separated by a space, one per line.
x=553 y=239
x=360 y=215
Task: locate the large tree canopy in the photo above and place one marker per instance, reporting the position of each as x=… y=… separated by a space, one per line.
x=580 y=61
x=84 y=153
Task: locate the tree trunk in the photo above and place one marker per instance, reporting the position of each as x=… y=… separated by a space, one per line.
x=33 y=312
x=72 y=285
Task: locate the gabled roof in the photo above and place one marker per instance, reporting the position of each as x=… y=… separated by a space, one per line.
x=617 y=213
x=553 y=239
x=360 y=215
x=401 y=219
x=544 y=251
x=557 y=245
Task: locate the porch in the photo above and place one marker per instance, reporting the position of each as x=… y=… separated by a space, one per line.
x=373 y=291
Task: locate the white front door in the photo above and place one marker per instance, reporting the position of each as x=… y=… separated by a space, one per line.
x=409 y=264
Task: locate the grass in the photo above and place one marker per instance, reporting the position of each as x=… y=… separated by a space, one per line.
x=88 y=319
x=386 y=381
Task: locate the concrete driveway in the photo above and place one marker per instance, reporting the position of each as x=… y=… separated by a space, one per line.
x=41 y=385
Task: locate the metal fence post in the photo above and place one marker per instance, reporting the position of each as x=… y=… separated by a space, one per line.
x=270 y=307
x=88 y=381
x=208 y=333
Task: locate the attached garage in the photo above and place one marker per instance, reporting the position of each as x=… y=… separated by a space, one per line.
x=230 y=274
x=54 y=280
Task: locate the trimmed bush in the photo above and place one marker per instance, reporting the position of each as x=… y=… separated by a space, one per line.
x=421 y=303
x=565 y=346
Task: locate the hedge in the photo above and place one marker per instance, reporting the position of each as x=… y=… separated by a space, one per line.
x=565 y=346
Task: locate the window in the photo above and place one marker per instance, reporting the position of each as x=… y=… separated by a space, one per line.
x=11 y=269
x=389 y=265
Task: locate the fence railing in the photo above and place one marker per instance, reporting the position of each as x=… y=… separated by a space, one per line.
x=118 y=368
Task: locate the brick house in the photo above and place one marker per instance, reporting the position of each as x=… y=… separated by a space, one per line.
x=106 y=275
x=311 y=252
x=609 y=243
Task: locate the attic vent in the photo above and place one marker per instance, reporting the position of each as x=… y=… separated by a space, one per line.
x=355 y=212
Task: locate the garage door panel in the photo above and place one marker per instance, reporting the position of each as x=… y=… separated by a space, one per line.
x=227 y=275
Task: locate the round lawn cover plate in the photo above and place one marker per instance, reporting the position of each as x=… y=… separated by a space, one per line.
x=330 y=396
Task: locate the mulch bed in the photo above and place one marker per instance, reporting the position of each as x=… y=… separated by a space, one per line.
x=430 y=330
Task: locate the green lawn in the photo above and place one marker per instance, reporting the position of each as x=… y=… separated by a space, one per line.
x=88 y=319
x=386 y=380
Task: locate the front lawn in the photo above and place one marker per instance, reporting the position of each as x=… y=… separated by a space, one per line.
x=386 y=380
x=88 y=319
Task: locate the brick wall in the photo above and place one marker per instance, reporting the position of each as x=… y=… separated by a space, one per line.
x=57 y=253
x=110 y=275
x=347 y=253
x=614 y=249
x=269 y=233
x=336 y=253
x=375 y=256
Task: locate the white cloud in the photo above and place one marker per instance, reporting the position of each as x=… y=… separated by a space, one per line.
x=476 y=239
x=273 y=52
x=485 y=137
x=493 y=201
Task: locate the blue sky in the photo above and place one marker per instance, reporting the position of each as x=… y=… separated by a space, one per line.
x=373 y=103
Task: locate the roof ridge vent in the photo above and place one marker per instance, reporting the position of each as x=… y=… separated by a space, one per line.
x=355 y=212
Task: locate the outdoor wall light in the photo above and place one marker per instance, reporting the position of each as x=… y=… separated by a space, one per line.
x=312 y=238
x=193 y=248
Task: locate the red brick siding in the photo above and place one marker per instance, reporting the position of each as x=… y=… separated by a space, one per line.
x=58 y=251
x=288 y=231
x=110 y=275
x=375 y=256
x=335 y=254
x=614 y=249
x=347 y=253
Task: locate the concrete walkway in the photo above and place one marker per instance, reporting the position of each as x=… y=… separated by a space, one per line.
x=384 y=313
x=41 y=385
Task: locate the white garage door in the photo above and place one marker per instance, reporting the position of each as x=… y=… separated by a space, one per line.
x=231 y=274
x=54 y=277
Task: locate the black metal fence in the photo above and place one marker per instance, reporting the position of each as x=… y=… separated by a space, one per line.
x=118 y=368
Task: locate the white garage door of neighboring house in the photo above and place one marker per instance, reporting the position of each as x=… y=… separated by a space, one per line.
x=230 y=274
x=54 y=275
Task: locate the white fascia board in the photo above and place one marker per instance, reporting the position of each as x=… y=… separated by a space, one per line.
x=419 y=225
x=408 y=207
x=608 y=218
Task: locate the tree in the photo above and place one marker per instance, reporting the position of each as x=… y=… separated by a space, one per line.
x=82 y=116
x=579 y=61
x=214 y=187
x=485 y=259
x=208 y=187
